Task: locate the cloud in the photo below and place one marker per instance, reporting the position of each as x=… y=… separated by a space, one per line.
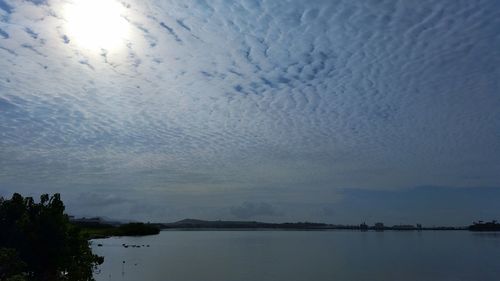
x=5 y=7
x=251 y=210
x=171 y=32
x=89 y=199
x=38 y=2
x=4 y=34
x=303 y=98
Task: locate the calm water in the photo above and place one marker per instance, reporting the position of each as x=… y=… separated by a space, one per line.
x=301 y=255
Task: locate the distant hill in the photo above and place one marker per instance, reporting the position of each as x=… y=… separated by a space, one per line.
x=194 y=223
x=98 y=226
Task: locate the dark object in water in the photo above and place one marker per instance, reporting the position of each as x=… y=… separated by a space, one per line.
x=485 y=226
x=99 y=245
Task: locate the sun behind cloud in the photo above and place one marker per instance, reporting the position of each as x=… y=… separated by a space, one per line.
x=96 y=24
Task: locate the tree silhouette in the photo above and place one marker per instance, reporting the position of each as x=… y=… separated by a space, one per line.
x=37 y=242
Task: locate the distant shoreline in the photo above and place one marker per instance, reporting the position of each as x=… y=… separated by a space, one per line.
x=306 y=229
x=96 y=228
x=193 y=224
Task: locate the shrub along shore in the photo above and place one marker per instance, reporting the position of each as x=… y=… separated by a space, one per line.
x=102 y=230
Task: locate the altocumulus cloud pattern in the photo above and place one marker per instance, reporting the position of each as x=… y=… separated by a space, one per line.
x=216 y=104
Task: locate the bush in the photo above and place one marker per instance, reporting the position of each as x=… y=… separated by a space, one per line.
x=41 y=243
x=137 y=229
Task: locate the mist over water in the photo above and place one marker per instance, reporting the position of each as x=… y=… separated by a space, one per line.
x=301 y=255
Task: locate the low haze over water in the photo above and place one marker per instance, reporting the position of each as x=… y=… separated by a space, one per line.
x=301 y=255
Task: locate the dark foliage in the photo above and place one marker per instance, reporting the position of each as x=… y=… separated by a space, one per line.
x=38 y=243
x=97 y=230
x=137 y=229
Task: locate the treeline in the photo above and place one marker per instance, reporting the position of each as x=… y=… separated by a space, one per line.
x=202 y=224
x=103 y=230
x=195 y=224
x=38 y=242
x=137 y=229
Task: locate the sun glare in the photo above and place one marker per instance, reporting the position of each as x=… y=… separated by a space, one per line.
x=96 y=24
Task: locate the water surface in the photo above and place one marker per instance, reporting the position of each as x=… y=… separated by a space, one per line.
x=301 y=255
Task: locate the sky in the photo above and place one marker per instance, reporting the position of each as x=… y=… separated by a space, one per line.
x=332 y=111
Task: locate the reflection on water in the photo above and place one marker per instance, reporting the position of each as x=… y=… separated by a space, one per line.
x=301 y=255
x=487 y=234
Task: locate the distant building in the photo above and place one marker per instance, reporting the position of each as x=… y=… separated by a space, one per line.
x=379 y=226
x=363 y=227
x=404 y=227
x=485 y=226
